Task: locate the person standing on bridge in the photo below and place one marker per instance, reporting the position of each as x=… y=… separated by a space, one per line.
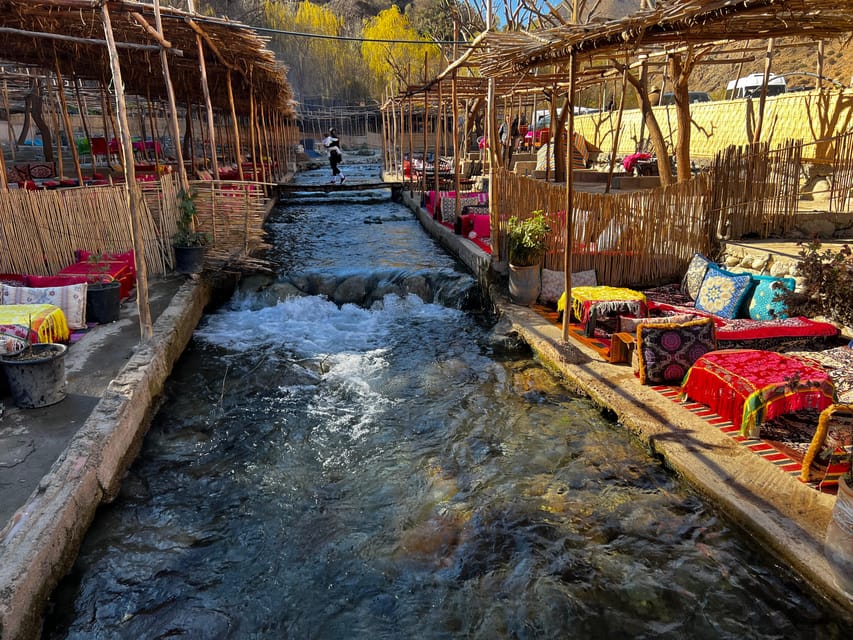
x=334 y=146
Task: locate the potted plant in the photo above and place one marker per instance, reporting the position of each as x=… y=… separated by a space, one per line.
x=838 y=544
x=526 y=243
x=103 y=296
x=36 y=372
x=188 y=242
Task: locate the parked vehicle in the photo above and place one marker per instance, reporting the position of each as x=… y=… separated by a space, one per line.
x=750 y=86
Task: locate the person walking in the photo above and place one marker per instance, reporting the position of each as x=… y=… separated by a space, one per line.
x=334 y=146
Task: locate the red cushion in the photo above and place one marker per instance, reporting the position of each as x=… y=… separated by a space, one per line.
x=59 y=280
x=126 y=257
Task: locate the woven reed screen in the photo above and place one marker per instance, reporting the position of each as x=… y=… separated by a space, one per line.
x=630 y=239
x=41 y=230
x=756 y=189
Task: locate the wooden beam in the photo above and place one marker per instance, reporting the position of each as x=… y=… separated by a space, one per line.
x=93 y=41
x=213 y=48
x=150 y=30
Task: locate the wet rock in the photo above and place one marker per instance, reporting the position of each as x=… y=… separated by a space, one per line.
x=351 y=291
x=419 y=286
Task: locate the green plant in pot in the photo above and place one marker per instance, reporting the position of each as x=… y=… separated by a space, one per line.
x=188 y=242
x=527 y=240
x=103 y=296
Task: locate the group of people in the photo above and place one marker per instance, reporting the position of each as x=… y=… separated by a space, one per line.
x=511 y=135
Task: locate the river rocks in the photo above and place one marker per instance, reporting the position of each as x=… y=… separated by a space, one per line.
x=351 y=291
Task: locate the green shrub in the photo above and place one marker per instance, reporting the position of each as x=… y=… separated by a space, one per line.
x=527 y=239
x=828 y=284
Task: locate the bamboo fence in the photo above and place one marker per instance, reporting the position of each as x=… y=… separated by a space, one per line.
x=756 y=190
x=842 y=178
x=630 y=239
x=40 y=231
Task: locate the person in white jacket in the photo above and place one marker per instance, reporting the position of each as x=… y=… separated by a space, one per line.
x=334 y=146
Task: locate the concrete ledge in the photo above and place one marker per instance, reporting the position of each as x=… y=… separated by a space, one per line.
x=41 y=541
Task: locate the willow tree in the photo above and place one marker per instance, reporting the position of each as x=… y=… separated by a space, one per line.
x=391 y=48
x=318 y=66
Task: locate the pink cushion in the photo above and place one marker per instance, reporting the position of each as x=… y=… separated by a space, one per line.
x=481 y=226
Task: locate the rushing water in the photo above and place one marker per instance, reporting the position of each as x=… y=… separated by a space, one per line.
x=326 y=471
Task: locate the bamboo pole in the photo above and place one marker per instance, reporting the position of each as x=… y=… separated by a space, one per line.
x=456 y=153
x=4 y=178
x=12 y=139
x=211 y=135
x=145 y=324
x=235 y=124
x=426 y=131
x=253 y=127
x=437 y=156
x=82 y=108
x=51 y=107
x=174 y=126
x=69 y=129
x=570 y=186
x=768 y=57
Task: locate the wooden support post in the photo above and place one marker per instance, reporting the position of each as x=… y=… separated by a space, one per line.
x=51 y=107
x=762 y=99
x=437 y=154
x=235 y=125
x=69 y=129
x=82 y=108
x=253 y=127
x=617 y=129
x=426 y=127
x=145 y=325
x=570 y=192
x=12 y=142
x=456 y=151
x=174 y=127
x=202 y=65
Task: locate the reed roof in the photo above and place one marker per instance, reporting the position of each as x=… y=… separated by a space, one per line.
x=669 y=25
x=70 y=34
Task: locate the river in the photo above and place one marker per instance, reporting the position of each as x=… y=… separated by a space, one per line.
x=395 y=470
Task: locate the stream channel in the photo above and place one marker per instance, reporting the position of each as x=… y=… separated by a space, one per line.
x=392 y=470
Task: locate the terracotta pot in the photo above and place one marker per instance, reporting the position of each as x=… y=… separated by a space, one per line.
x=838 y=544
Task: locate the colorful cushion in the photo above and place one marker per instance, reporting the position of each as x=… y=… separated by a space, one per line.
x=695 y=274
x=70 y=298
x=552 y=283
x=764 y=304
x=667 y=351
x=722 y=292
x=448 y=204
x=628 y=324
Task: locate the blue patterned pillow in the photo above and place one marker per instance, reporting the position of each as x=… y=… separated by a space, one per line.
x=667 y=351
x=763 y=305
x=722 y=292
x=692 y=279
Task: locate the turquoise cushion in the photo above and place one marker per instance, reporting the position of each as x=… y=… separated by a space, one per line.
x=692 y=279
x=722 y=292
x=763 y=305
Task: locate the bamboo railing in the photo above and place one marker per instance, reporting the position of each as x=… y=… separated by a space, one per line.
x=41 y=230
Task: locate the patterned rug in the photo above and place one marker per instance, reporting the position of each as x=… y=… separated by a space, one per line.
x=783 y=441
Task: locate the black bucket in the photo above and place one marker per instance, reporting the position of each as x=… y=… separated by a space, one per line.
x=37 y=381
x=103 y=302
x=189 y=259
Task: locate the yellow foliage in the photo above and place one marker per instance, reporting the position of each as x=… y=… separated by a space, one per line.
x=389 y=62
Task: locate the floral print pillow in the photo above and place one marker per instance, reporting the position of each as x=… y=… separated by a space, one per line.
x=723 y=292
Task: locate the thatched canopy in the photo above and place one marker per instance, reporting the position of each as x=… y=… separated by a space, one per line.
x=670 y=25
x=70 y=33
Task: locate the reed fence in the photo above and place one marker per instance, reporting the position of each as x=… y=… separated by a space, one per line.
x=630 y=239
x=40 y=231
x=756 y=190
x=842 y=177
